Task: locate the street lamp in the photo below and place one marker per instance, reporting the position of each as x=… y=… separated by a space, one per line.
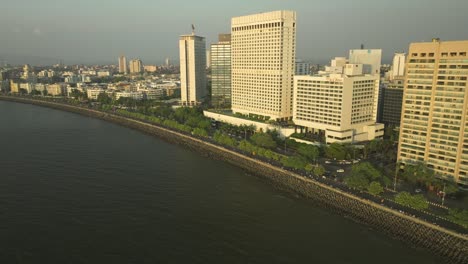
x=396 y=175
x=443 y=195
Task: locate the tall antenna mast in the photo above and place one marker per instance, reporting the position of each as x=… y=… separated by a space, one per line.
x=193 y=29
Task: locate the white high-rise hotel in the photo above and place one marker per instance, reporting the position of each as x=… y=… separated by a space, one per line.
x=192 y=50
x=263 y=52
x=339 y=103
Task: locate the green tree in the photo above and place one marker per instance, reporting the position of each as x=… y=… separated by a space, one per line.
x=418 y=173
x=263 y=140
x=357 y=181
x=309 y=167
x=336 y=151
x=386 y=181
x=224 y=139
x=309 y=151
x=459 y=216
x=77 y=94
x=451 y=188
x=367 y=170
x=104 y=98
x=361 y=175
x=375 y=188
x=44 y=92
x=294 y=162
x=319 y=170
x=417 y=202
x=35 y=92
x=200 y=132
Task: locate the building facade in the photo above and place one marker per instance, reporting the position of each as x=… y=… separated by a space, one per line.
x=192 y=50
x=392 y=94
x=263 y=54
x=371 y=59
x=398 y=66
x=56 y=89
x=122 y=64
x=132 y=95
x=434 y=119
x=136 y=66
x=94 y=93
x=221 y=72
x=339 y=106
x=302 y=68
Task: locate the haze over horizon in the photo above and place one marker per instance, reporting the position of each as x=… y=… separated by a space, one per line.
x=46 y=31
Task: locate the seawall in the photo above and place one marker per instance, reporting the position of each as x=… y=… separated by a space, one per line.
x=443 y=242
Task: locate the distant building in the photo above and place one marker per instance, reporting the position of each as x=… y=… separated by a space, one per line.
x=168 y=62
x=392 y=101
x=152 y=94
x=392 y=92
x=40 y=87
x=434 y=120
x=14 y=86
x=103 y=73
x=136 y=66
x=73 y=79
x=133 y=95
x=27 y=72
x=339 y=106
x=398 y=66
x=56 y=89
x=302 y=68
x=221 y=71
x=150 y=68
x=122 y=64
x=192 y=69
x=208 y=58
x=263 y=53
x=28 y=87
x=93 y=93
x=4 y=83
x=370 y=58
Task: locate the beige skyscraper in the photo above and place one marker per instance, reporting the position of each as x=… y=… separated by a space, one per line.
x=263 y=52
x=434 y=119
x=192 y=51
x=136 y=66
x=122 y=64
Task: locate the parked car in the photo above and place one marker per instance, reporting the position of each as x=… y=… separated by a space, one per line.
x=417 y=190
x=327 y=162
x=340 y=170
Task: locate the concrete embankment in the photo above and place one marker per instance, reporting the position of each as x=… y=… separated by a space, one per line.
x=452 y=246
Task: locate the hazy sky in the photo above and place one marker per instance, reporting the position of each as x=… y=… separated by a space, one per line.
x=97 y=31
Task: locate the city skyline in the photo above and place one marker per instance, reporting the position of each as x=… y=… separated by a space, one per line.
x=42 y=33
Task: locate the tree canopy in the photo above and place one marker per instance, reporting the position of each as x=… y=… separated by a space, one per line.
x=375 y=188
x=417 y=202
x=459 y=216
x=309 y=151
x=263 y=140
x=362 y=174
x=336 y=151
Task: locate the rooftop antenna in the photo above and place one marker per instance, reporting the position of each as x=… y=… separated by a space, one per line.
x=193 y=29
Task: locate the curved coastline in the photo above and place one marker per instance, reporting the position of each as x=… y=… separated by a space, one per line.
x=441 y=241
